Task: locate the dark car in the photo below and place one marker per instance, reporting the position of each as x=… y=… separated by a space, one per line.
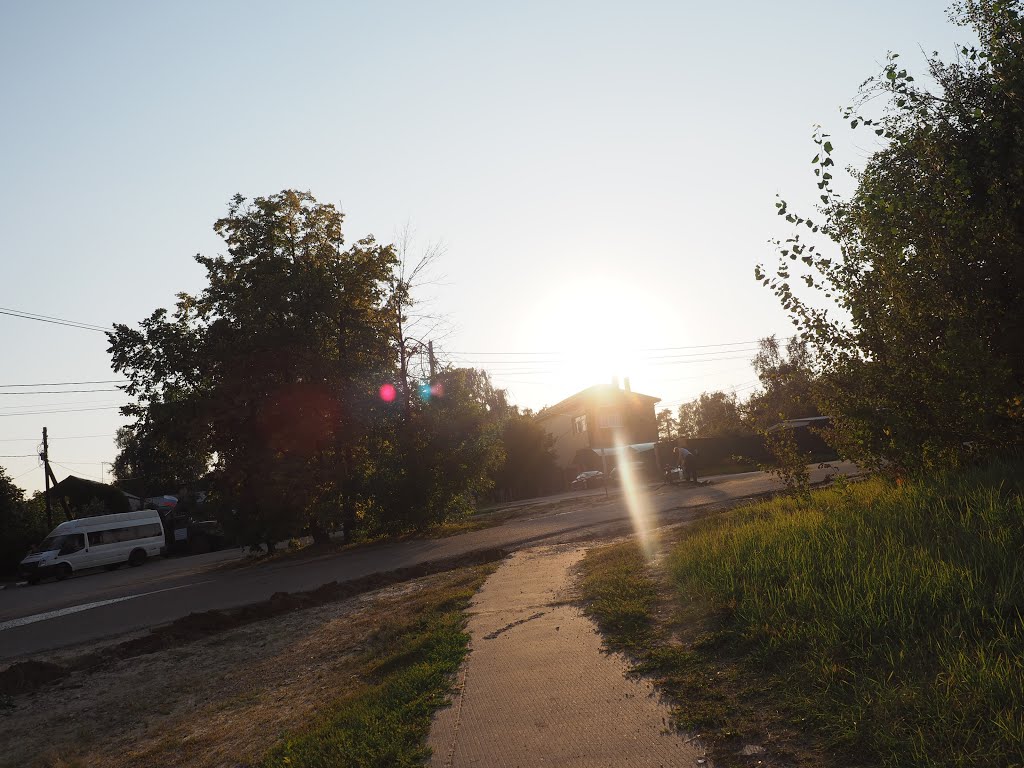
x=638 y=470
x=593 y=478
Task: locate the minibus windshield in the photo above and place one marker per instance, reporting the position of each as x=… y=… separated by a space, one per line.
x=55 y=542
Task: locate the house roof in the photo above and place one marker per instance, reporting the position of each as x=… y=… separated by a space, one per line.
x=598 y=391
x=81 y=491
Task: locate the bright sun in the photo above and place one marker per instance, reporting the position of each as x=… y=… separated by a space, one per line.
x=601 y=326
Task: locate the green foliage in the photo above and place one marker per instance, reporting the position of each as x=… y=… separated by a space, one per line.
x=530 y=466
x=714 y=414
x=789 y=463
x=22 y=523
x=924 y=362
x=435 y=463
x=267 y=382
x=668 y=427
x=271 y=371
x=892 y=611
x=385 y=719
x=787 y=384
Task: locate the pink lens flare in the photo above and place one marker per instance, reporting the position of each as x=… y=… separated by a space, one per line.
x=388 y=393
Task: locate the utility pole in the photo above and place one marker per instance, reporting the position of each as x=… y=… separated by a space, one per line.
x=48 y=476
x=433 y=361
x=45 y=456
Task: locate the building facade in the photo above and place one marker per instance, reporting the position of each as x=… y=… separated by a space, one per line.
x=602 y=416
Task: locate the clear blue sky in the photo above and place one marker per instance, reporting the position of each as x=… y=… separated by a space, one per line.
x=601 y=174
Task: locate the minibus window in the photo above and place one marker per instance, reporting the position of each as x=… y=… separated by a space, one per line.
x=114 y=535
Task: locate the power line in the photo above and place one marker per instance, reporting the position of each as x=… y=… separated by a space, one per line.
x=552 y=371
x=18 y=455
x=647 y=349
x=60 y=391
x=54 y=320
x=60 y=404
x=69 y=469
x=33 y=469
x=66 y=437
x=65 y=383
x=683 y=359
x=66 y=410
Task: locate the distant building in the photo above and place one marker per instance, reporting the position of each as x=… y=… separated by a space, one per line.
x=595 y=419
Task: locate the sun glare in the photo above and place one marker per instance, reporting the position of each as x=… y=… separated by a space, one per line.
x=637 y=501
x=604 y=325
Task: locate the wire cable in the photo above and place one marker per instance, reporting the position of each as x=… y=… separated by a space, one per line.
x=60 y=391
x=64 y=410
x=27 y=471
x=64 y=383
x=52 y=438
x=54 y=320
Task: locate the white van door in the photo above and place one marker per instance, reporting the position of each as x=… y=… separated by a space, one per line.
x=103 y=548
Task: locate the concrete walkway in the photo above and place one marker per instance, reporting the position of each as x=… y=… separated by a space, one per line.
x=538 y=689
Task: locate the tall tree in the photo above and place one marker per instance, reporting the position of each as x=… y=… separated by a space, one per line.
x=668 y=427
x=924 y=262
x=787 y=383
x=530 y=467
x=277 y=362
x=434 y=461
x=713 y=414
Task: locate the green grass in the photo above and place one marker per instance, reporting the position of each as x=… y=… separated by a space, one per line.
x=408 y=670
x=887 y=619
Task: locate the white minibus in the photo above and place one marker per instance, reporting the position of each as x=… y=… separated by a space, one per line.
x=90 y=542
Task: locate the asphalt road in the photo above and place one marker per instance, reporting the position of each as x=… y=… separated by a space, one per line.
x=103 y=604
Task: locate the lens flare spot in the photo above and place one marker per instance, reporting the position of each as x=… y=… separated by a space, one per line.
x=388 y=393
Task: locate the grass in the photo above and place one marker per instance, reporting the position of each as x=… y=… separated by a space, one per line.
x=882 y=621
x=407 y=672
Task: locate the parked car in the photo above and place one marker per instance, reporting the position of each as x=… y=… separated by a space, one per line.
x=593 y=478
x=638 y=471
x=89 y=542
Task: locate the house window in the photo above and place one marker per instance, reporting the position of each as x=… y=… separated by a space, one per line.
x=609 y=418
x=579 y=425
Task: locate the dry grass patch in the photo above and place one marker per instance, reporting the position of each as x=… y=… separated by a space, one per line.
x=221 y=701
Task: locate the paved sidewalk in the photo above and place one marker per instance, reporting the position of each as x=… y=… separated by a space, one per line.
x=538 y=689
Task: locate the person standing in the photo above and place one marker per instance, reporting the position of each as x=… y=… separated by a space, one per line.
x=688 y=464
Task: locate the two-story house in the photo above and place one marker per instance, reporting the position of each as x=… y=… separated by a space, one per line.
x=601 y=416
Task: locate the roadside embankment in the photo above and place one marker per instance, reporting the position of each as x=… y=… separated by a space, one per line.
x=348 y=674
x=878 y=624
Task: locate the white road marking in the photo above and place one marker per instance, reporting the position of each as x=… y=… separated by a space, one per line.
x=22 y=621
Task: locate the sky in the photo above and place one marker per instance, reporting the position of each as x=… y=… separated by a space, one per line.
x=600 y=177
